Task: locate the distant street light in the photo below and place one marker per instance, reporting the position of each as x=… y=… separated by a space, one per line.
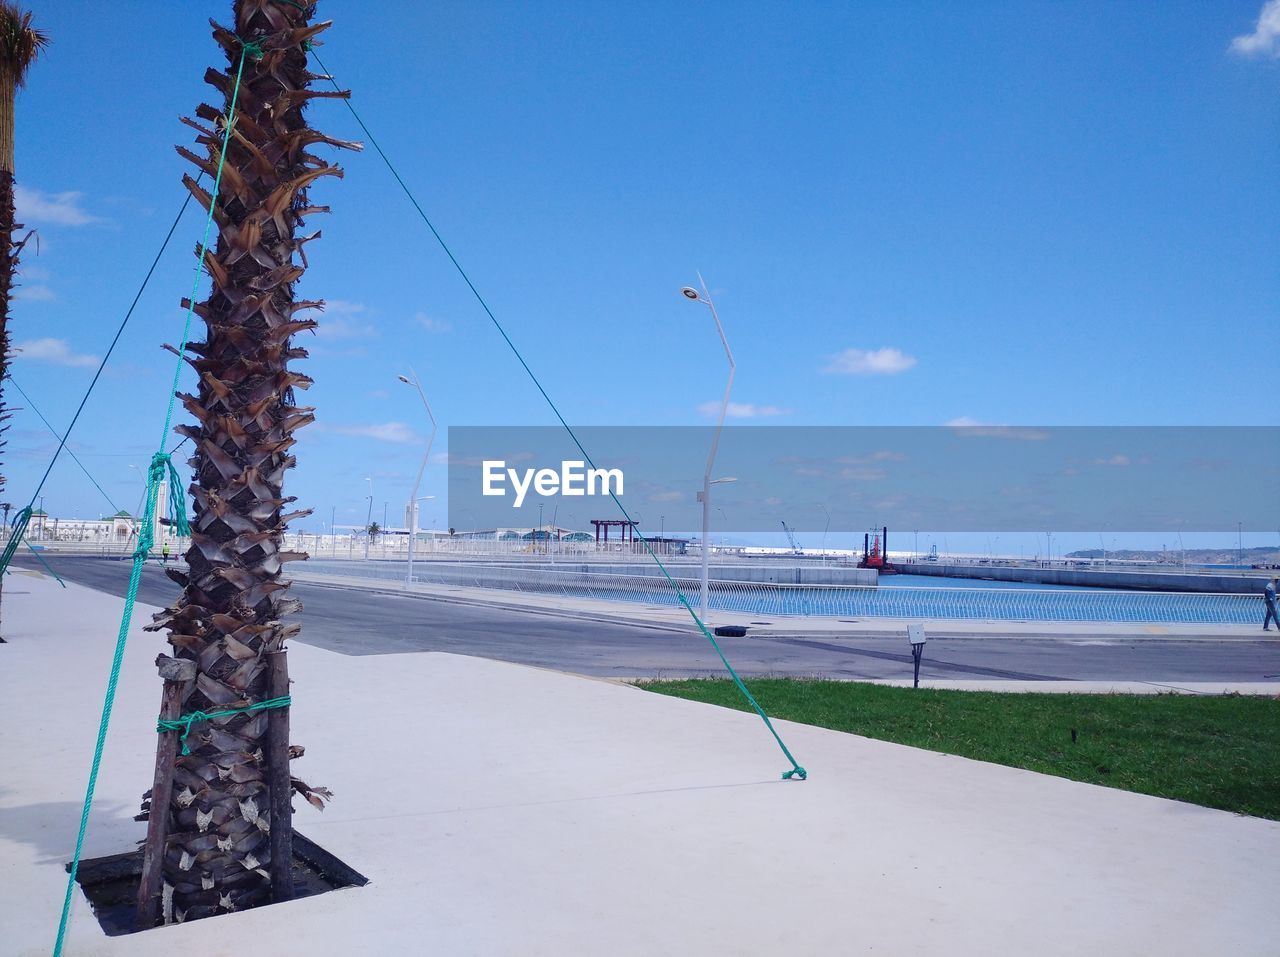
x=368 y=519
x=705 y=495
x=824 y=531
x=413 y=496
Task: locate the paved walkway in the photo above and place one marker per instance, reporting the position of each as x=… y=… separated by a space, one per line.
x=501 y=809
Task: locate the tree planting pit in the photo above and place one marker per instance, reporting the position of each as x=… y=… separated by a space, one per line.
x=111 y=883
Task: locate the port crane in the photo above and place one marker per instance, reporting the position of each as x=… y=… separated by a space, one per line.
x=791 y=537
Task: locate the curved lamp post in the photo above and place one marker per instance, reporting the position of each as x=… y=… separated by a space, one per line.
x=705 y=495
x=412 y=379
x=368 y=518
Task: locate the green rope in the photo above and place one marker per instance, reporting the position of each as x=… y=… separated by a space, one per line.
x=15 y=538
x=185 y=722
x=796 y=770
x=47 y=566
x=19 y=525
x=160 y=463
x=74 y=457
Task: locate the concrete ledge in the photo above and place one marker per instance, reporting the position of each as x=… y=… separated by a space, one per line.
x=500 y=809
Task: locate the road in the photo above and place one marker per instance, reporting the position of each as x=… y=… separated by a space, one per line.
x=358 y=621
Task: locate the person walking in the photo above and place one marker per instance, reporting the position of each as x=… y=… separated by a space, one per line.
x=1269 y=598
x=165 y=551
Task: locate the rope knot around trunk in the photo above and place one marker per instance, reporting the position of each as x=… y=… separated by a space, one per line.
x=185 y=722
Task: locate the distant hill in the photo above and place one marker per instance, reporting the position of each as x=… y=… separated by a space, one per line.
x=1196 y=556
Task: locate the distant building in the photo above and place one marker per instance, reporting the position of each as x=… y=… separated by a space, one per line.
x=112 y=529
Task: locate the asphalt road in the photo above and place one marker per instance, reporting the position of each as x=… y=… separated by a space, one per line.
x=357 y=621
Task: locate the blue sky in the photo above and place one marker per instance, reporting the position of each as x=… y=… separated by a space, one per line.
x=1005 y=213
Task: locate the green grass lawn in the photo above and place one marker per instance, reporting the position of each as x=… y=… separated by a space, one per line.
x=1221 y=752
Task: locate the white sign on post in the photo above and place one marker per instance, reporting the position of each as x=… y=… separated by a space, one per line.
x=915 y=634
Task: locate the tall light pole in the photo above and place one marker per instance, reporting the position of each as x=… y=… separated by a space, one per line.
x=705 y=495
x=824 y=531
x=368 y=518
x=1239 y=545
x=413 y=496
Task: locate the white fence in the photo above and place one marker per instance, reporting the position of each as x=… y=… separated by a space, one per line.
x=842 y=601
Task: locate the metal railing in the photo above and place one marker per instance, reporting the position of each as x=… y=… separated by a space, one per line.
x=842 y=601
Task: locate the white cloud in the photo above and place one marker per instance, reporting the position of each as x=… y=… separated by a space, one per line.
x=741 y=410
x=344 y=329
x=341 y=320
x=432 y=325
x=972 y=428
x=886 y=361
x=883 y=455
x=36 y=208
x=1119 y=461
x=671 y=496
x=1265 y=38
x=863 y=474
x=34 y=273
x=36 y=293
x=396 y=432
x=57 y=351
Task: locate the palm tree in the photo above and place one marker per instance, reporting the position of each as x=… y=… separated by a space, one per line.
x=20 y=44
x=227 y=629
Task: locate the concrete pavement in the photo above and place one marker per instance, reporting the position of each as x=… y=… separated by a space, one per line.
x=501 y=809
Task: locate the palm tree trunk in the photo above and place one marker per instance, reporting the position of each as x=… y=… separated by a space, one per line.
x=8 y=260
x=20 y=45
x=229 y=619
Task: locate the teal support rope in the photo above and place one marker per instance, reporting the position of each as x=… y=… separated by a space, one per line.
x=12 y=546
x=185 y=722
x=160 y=465
x=796 y=770
x=47 y=567
x=19 y=526
x=75 y=458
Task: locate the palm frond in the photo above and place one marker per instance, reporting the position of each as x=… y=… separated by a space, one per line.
x=20 y=42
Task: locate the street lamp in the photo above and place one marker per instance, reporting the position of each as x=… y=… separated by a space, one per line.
x=413 y=496
x=368 y=518
x=824 y=531
x=705 y=495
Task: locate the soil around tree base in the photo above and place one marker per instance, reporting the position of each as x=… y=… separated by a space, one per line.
x=111 y=883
